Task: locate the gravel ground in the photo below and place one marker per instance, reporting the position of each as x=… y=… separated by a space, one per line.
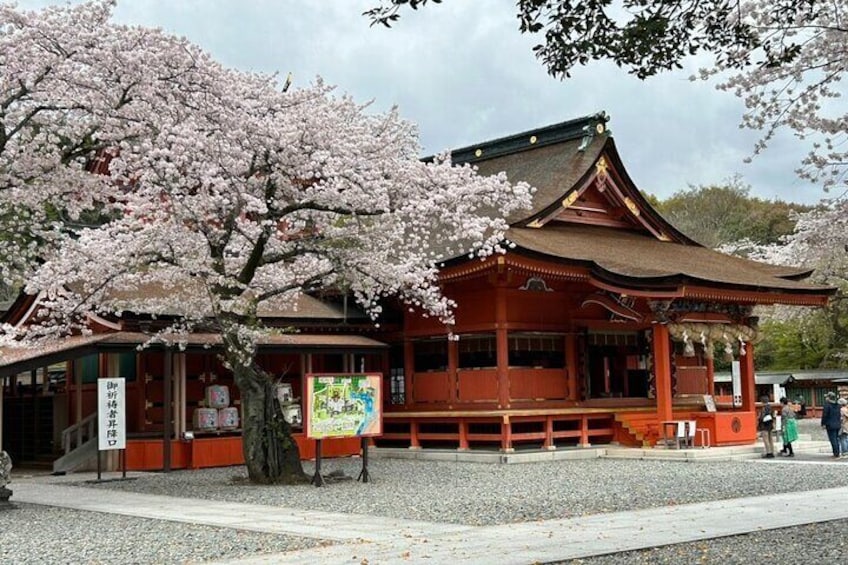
x=31 y=534
x=486 y=494
x=826 y=542
x=463 y=493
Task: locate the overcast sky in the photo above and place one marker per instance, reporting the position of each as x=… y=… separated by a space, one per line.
x=464 y=74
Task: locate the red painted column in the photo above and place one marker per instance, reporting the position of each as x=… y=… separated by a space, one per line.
x=502 y=341
x=662 y=371
x=549 y=433
x=710 y=377
x=584 y=431
x=408 y=369
x=506 y=435
x=453 y=367
x=463 y=435
x=413 y=435
x=571 y=366
x=749 y=386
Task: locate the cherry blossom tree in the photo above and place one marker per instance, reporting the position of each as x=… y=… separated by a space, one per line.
x=799 y=92
x=820 y=241
x=220 y=190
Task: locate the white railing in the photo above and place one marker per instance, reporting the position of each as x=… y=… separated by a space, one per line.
x=76 y=435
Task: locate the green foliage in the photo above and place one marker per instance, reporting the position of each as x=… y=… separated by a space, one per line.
x=715 y=215
x=643 y=36
x=803 y=343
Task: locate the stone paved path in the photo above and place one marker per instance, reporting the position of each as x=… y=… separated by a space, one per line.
x=373 y=540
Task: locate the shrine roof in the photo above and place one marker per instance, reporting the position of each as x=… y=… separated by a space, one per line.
x=304 y=307
x=621 y=253
x=551 y=159
x=587 y=210
x=18 y=359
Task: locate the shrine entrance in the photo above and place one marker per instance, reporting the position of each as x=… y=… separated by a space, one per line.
x=616 y=366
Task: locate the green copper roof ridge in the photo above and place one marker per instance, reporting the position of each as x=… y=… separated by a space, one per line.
x=555 y=133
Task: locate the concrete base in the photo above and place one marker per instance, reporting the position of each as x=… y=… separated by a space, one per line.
x=482 y=456
x=696 y=454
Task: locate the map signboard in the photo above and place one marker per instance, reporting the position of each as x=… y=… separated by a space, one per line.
x=343 y=405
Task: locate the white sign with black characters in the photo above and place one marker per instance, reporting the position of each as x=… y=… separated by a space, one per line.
x=111 y=414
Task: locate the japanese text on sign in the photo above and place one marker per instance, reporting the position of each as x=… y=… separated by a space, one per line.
x=111 y=414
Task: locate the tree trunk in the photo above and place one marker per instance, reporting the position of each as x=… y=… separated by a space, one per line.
x=270 y=452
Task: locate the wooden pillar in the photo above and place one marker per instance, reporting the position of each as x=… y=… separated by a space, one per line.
x=180 y=395
x=408 y=371
x=453 y=370
x=413 y=435
x=76 y=377
x=710 y=377
x=571 y=366
x=33 y=376
x=584 y=431
x=549 y=433
x=463 y=435
x=2 y=389
x=502 y=344
x=168 y=410
x=749 y=386
x=386 y=370
x=506 y=435
x=502 y=341
x=662 y=370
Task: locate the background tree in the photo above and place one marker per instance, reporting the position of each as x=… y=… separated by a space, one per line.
x=218 y=191
x=716 y=215
x=819 y=337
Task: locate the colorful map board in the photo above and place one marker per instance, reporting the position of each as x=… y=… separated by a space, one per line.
x=348 y=405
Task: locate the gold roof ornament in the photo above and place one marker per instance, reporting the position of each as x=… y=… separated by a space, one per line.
x=631 y=206
x=570 y=199
x=601 y=167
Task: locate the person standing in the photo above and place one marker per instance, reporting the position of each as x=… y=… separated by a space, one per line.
x=843 y=431
x=765 y=424
x=802 y=408
x=790 y=428
x=831 y=421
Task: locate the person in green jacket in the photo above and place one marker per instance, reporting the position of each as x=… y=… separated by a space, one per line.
x=790 y=428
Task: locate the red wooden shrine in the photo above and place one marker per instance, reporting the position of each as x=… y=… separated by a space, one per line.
x=600 y=322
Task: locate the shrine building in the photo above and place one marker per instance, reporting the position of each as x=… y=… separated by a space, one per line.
x=599 y=324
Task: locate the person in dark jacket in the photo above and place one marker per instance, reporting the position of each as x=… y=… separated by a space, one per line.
x=831 y=421
x=802 y=408
x=765 y=424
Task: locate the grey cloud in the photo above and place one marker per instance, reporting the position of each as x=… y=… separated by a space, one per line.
x=463 y=73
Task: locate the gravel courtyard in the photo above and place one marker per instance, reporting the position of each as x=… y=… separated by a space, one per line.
x=460 y=493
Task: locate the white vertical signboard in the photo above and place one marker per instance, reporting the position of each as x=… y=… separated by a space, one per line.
x=736 y=376
x=111 y=414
